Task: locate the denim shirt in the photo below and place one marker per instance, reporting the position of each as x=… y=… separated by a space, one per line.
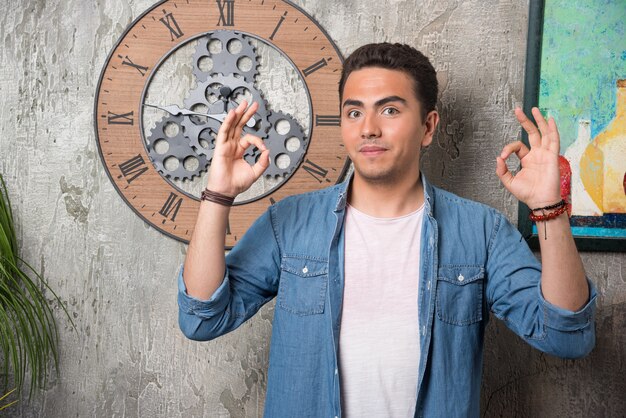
x=473 y=261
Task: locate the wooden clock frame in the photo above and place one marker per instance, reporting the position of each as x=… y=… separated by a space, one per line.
x=149 y=40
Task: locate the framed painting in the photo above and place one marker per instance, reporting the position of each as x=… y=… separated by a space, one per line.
x=576 y=72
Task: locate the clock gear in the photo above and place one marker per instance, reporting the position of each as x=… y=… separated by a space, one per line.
x=169 y=130
x=217 y=93
x=287 y=147
x=223 y=61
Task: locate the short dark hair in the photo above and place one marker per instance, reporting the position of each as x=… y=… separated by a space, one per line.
x=400 y=57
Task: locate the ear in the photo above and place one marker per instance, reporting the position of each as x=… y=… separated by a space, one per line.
x=431 y=122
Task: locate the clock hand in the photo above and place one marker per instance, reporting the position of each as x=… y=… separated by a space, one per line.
x=177 y=111
x=225 y=92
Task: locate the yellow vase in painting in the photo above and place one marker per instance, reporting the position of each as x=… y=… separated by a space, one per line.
x=603 y=164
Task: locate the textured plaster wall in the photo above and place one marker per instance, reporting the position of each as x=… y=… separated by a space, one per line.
x=117 y=276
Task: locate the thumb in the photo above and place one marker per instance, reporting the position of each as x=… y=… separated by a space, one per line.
x=262 y=163
x=506 y=177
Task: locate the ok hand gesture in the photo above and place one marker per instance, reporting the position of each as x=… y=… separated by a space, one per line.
x=537 y=183
x=230 y=174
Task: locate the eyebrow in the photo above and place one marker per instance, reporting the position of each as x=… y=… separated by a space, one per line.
x=381 y=102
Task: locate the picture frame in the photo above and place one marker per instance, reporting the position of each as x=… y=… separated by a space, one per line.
x=576 y=72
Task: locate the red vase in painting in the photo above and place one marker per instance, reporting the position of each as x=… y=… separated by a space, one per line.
x=566 y=183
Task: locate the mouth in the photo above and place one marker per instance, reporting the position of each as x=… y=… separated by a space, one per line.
x=372 y=150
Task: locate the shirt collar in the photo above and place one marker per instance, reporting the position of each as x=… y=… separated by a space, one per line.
x=428 y=195
x=342 y=197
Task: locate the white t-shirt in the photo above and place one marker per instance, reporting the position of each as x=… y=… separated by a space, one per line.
x=379 y=334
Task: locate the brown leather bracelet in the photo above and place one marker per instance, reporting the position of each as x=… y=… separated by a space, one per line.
x=220 y=199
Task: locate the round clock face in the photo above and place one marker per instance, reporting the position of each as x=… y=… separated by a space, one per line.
x=176 y=72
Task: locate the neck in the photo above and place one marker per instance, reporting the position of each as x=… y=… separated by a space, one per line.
x=384 y=200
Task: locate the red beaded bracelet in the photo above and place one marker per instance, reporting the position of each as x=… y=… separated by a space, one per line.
x=547 y=217
x=560 y=208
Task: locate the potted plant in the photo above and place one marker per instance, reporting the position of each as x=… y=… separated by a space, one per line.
x=28 y=330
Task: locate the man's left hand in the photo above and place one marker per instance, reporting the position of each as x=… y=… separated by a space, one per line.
x=537 y=183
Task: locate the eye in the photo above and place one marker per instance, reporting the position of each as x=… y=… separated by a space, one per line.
x=354 y=114
x=390 y=111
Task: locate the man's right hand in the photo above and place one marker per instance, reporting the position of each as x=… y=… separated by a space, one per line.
x=229 y=173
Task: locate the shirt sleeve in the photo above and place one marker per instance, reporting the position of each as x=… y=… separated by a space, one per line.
x=514 y=296
x=250 y=280
x=203 y=308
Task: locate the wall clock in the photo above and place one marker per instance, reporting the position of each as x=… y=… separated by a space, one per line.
x=175 y=72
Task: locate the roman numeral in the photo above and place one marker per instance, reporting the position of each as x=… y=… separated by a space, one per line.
x=315 y=170
x=133 y=168
x=127 y=61
x=280 y=22
x=171 y=207
x=171 y=24
x=123 y=119
x=327 y=120
x=227 y=12
x=313 y=68
x=228 y=227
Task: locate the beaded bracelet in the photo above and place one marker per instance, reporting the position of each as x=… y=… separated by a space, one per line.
x=220 y=199
x=547 y=217
x=560 y=207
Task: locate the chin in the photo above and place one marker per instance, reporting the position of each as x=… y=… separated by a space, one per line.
x=377 y=176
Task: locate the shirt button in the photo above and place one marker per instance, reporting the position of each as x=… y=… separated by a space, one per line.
x=423 y=330
x=428 y=285
x=305 y=270
x=336 y=371
x=461 y=278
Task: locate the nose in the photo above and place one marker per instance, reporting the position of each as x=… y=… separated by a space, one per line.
x=370 y=127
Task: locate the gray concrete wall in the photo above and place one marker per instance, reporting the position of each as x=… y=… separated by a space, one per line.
x=117 y=275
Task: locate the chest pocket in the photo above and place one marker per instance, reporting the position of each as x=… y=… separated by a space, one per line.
x=303 y=283
x=460 y=294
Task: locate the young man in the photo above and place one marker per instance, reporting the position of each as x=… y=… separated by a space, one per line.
x=381 y=309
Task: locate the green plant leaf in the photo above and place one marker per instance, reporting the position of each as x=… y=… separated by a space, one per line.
x=28 y=329
x=4 y=396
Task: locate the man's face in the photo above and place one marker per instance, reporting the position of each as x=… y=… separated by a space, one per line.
x=381 y=125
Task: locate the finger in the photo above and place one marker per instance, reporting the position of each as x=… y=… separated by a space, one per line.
x=542 y=125
x=517 y=147
x=247 y=115
x=223 y=133
x=249 y=139
x=262 y=163
x=555 y=137
x=506 y=177
x=534 y=137
x=235 y=129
